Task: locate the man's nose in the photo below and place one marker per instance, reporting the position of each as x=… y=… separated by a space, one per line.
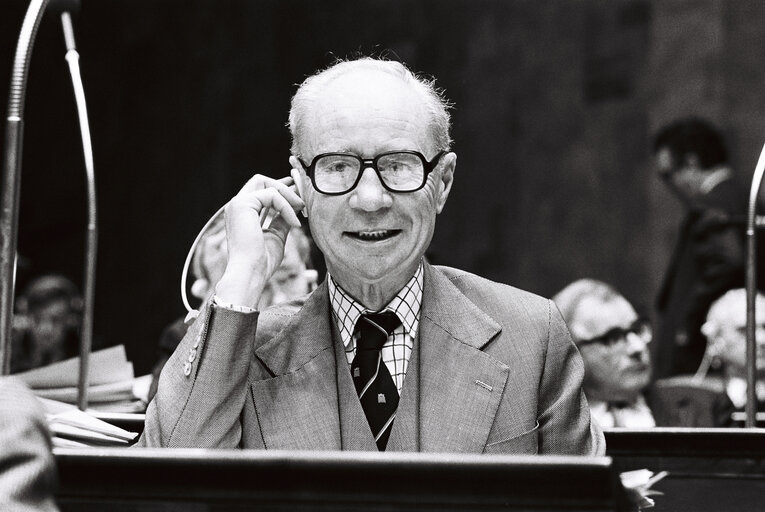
x=635 y=344
x=370 y=195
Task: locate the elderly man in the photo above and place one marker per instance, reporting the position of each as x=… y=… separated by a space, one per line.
x=389 y=352
x=725 y=330
x=613 y=341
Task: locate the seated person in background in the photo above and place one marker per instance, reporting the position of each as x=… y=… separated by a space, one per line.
x=27 y=469
x=292 y=279
x=462 y=364
x=613 y=342
x=725 y=329
x=46 y=324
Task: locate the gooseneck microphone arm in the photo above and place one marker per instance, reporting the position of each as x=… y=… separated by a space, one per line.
x=11 y=184
x=752 y=222
x=86 y=339
x=11 y=176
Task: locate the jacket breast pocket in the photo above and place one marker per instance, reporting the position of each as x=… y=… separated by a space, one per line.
x=521 y=444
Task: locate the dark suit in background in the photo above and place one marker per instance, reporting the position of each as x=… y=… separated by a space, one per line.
x=708 y=259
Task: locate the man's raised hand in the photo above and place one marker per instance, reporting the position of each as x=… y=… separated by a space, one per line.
x=255 y=250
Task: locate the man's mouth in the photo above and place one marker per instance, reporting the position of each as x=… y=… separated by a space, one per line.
x=373 y=236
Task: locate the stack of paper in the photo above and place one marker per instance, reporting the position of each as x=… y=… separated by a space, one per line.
x=111 y=381
x=71 y=427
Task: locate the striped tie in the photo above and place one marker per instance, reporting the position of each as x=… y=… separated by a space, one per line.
x=376 y=389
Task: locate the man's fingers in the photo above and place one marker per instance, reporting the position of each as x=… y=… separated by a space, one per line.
x=290 y=194
x=273 y=199
x=260 y=182
x=260 y=189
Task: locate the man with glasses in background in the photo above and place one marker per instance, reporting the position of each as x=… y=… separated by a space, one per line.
x=613 y=341
x=389 y=352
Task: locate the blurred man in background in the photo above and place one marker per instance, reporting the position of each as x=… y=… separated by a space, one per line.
x=725 y=329
x=708 y=257
x=614 y=341
x=46 y=324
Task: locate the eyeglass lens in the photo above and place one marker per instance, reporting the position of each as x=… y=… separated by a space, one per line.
x=641 y=328
x=398 y=171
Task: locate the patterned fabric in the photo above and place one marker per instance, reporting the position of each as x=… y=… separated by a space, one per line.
x=398 y=348
x=374 y=385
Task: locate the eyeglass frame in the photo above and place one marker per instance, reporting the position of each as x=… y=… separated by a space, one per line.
x=603 y=339
x=428 y=166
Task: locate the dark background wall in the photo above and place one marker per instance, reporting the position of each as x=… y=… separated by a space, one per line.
x=555 y=106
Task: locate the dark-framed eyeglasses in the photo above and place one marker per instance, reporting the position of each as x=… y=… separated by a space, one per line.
x=399 y=171
x=641 y=327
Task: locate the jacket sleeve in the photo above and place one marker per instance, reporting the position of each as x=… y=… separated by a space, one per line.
x=27 y=468
x=203 y=386
x=565 y=426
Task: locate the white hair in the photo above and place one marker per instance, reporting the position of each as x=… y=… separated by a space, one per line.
x=571 y=297
x=730 y=311
x=435 y=103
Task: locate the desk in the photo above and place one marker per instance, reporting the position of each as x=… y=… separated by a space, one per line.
x=121 y=479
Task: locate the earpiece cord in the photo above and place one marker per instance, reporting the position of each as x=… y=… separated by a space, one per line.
x=264 y=215
x=190 y=256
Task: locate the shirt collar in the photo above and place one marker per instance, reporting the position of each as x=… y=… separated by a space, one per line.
x=714 y=178
x=736 y=390
x=407 y=304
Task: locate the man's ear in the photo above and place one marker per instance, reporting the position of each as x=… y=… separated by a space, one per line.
x=446 y=178
x=299 y=176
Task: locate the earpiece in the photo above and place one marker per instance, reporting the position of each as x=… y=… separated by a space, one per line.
x=298 y=179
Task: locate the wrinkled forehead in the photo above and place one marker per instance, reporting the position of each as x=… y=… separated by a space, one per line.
x=595 y=316
x=366 y=102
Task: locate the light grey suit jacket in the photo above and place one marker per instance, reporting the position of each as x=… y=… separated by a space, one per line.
x=493 y=370
x=27 y=469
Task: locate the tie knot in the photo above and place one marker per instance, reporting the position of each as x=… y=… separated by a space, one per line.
x=375 y=329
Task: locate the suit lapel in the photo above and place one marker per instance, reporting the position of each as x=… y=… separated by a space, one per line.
x=460 y=385
x=298 y=407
